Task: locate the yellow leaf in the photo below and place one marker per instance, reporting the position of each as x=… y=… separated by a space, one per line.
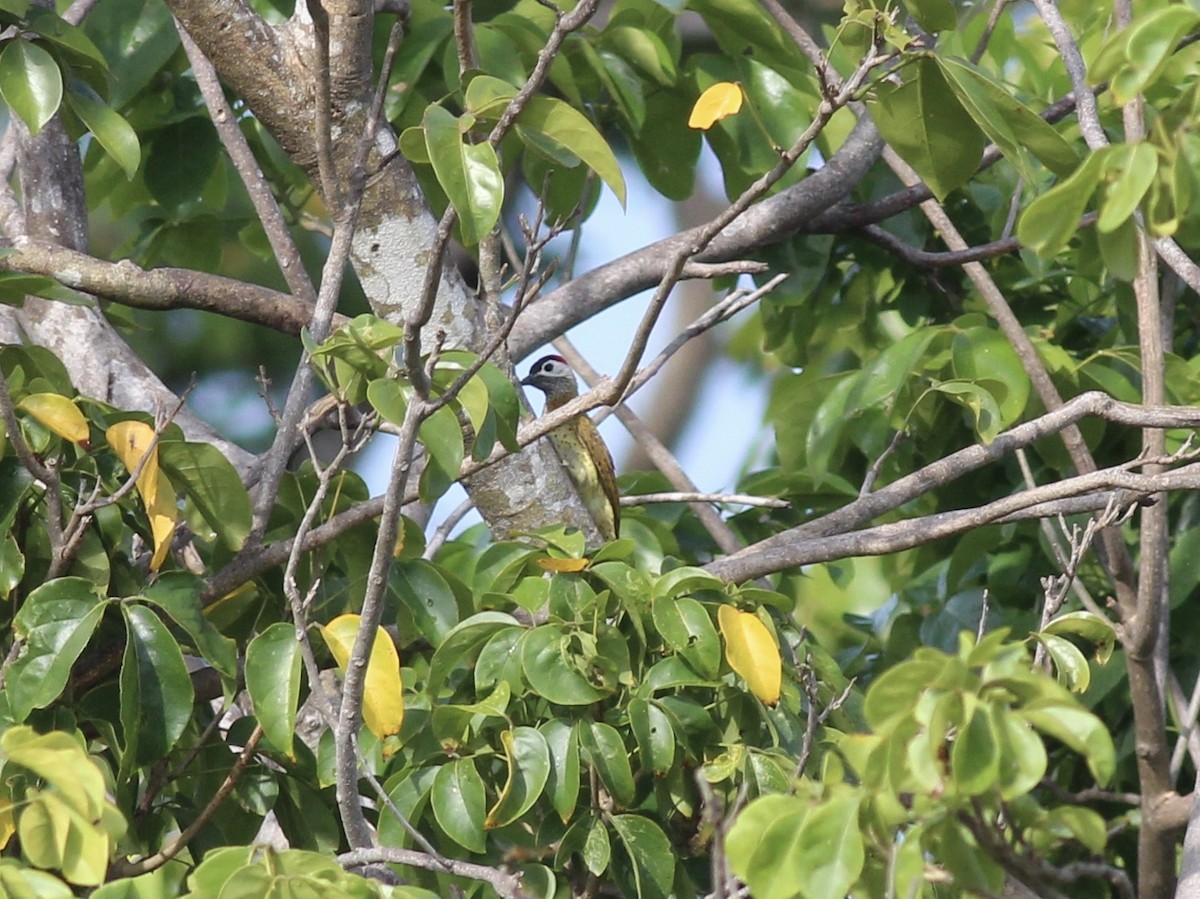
x=752 y=652
x=720 y=101
x=562 y=565
x=131 y=441
x=383 y=691
x=58 y=414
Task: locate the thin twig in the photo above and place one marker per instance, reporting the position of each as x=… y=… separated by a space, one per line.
x=287 y=255
x=680 y=496
x=158 y=859
x=442 y=534
x=504 y=883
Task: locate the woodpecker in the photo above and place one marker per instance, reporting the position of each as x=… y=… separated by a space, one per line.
x=580 y=446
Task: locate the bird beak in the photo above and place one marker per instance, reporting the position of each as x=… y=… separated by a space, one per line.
x=526 y=382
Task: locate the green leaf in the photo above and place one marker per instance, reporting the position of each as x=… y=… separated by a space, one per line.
x=685 y=626
x=15 y=286
x=389 y=397
x=1070 y=667
x=926 y=124
x=1022 y=753
x=462 y=641
x=829 y=847
x=527 y=755
x=468 y=173
x=1052 y=219
x=1088 y=626
x=178 y=594
x=974 y=759
x=189 y=146
x=652 y=872
x=763 y=846
x=1009 y=124
x=212 y=483
x=428 y=608
x=408 y=792
x=1138 y=166
x=656 y=740
x=156 y=689
x=553 y=660
x=1080 y=730
x=610 y=758
x=684 y=580
x=504 y=404
x=1119 y=249
x=667 y=152
x=980 y=401
x=1083 y=824
x=984 y=355
x=442 y=436
x=555 y=121
x=115 y=134
x=562 y=740
x=30 y=82
x=56 y=621
x=1136 y=58
x=273 y=675
x=458 y=804
x=643 y=49
x=934 y=15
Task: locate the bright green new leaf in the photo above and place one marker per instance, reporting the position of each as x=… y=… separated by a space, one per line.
x=1088 y=626
x=1052 y=219
x=115 y=134
x=829 y=847
x=56 y=621
x=30 y=82
x=1137 y=167
x=763 y=846
x=468 y=173
x=974 y=757
x=1022 y=753
x=1070 y=667
x=980 y=401
x=556 y=121
x=442 y=436
x=1080 y=730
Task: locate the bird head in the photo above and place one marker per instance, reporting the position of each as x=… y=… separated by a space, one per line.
x=553 y=377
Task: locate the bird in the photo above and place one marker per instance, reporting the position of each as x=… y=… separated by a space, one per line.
x=580 y=446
